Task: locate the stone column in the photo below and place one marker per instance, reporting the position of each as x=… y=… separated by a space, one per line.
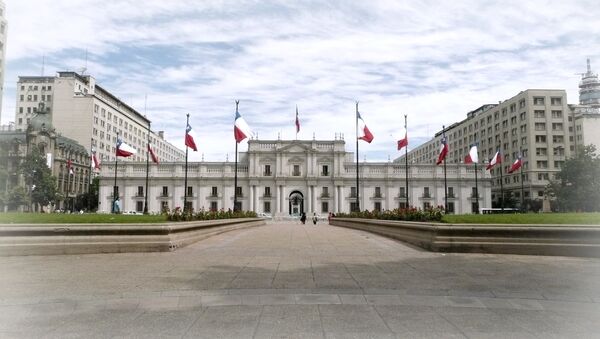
x=251 y=198
x=335 y=199
x=314 y=199
x=277 y=199
x=309 y=200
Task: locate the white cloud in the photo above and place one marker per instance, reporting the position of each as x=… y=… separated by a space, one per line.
x=433 y=61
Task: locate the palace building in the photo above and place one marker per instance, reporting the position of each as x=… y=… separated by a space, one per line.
x=287 y=177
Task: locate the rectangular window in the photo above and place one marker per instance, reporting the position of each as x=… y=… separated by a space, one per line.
x=325 y=170
x=190 y=191
x=538 y=100
x=556 y=101
x=450 y=192
x=402 y=193
x=426 y=205
x=352 y=192
x=377 y=192
x=324 y=207
x=325 y=192
x=188 y=206
x=267 y=192
x=296 y=171
x=557 y=126
x=267 y=170
x=165 y=191
x=139 y=206
x=541 y=151
x=140 y=191
x=377 y=206
x=238 y=191
x=353 y=207
x=557 y=114
x=426 y=193
x=164 y=206
x=267 y=207
x=540 y=138
x=451 y=207
x=540 y=126
x=214 y=192
x=214 y=206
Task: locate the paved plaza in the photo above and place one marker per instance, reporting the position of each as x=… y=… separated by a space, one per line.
x=286 y=280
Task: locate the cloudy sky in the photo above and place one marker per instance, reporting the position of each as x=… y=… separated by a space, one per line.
x=432 y=60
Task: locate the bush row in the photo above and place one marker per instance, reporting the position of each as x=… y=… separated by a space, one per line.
x=190 y=215
x=406 y=214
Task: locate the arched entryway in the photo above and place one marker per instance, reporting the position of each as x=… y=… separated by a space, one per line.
x=296 y=203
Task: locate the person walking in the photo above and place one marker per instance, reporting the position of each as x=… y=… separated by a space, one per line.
x=315 y=219
x=303 y=218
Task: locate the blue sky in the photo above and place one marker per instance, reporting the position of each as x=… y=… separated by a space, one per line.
x=431 y=60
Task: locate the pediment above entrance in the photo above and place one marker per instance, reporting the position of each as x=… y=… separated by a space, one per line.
x=295 y=160
x=295 y=148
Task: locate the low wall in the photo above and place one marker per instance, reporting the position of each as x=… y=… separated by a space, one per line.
x=44 y=239
x=565 y=240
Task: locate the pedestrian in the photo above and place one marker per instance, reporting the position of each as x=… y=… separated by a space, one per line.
x=314 y=218
x=303 y=218
x=329 y=217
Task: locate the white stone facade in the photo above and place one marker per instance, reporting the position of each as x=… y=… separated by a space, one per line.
x=283 y=177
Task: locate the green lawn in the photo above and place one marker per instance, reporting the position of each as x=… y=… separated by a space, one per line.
x=527 y=218
x=60 y=218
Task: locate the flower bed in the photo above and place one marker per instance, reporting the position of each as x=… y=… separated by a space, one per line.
x=179 y=215
x=408 y=214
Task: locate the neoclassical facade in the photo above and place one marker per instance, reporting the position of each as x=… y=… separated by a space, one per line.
x=283 y=177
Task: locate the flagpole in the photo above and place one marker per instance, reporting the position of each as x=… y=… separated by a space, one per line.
x=357 y=163
x=90 y=178
x=445 y=177
x=115 y=183
x=522 y=185
x=186 y=168
x=148 y=169
x=406 y=160
x=501 y=185
x=237 y=102
x=476 y=191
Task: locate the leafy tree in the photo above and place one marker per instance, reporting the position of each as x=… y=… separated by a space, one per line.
x=17 y=196
x=39 y=178
x=577 y=187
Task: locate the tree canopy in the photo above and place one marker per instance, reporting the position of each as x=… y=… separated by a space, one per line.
x=577 y=187
x=39 y=178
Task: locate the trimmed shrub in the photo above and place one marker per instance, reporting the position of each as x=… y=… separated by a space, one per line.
x=179 y=215
x=405 y=214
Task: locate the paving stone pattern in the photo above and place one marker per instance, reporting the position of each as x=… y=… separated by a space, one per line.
x=287 y=280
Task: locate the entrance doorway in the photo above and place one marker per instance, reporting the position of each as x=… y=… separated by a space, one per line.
x=296 y=203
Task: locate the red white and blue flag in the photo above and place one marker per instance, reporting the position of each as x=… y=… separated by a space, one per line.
x=443 y=150
x=516 y=165
x=363 y=130
x=95 y=162
x=152 y=155
x=124 y=150
x=241 y=130
x=297 y=121
x=403 y=142
x=472 y=157
x=189 y=139
x=497 y=159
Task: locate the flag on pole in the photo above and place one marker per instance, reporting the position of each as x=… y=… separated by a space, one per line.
x=297 y=121
x=497 y=159
x=443 y=150
x=516 y=165
x=403 y=142
x=189 y=139
x=95 y=162
x=472 y=157
x=241 y=130
x=70 y=166
x=363 y=130
x=154 y=157
x=124 y=150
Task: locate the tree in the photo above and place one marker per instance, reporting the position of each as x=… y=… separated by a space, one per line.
x=577 y=187
x=17 y=197
x=39 y=178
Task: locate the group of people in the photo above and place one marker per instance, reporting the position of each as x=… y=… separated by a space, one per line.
x=314 y=218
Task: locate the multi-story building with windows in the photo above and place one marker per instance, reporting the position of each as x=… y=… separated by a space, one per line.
x=284 y=177
x=3 y=32
x=86 y=112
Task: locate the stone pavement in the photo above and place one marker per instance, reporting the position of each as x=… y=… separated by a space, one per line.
x=286 y=280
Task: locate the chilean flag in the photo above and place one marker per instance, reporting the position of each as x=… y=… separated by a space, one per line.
x=124 y=150
x=497 y=159
x=189 y=139
x=516 y=165
x=154 y=157
x=403 y=142
x=70 y=166
x=297 y=121
x=443 y=150
x=472 y=157
x=241 y=130
x=95 y=162
x=363 y=130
